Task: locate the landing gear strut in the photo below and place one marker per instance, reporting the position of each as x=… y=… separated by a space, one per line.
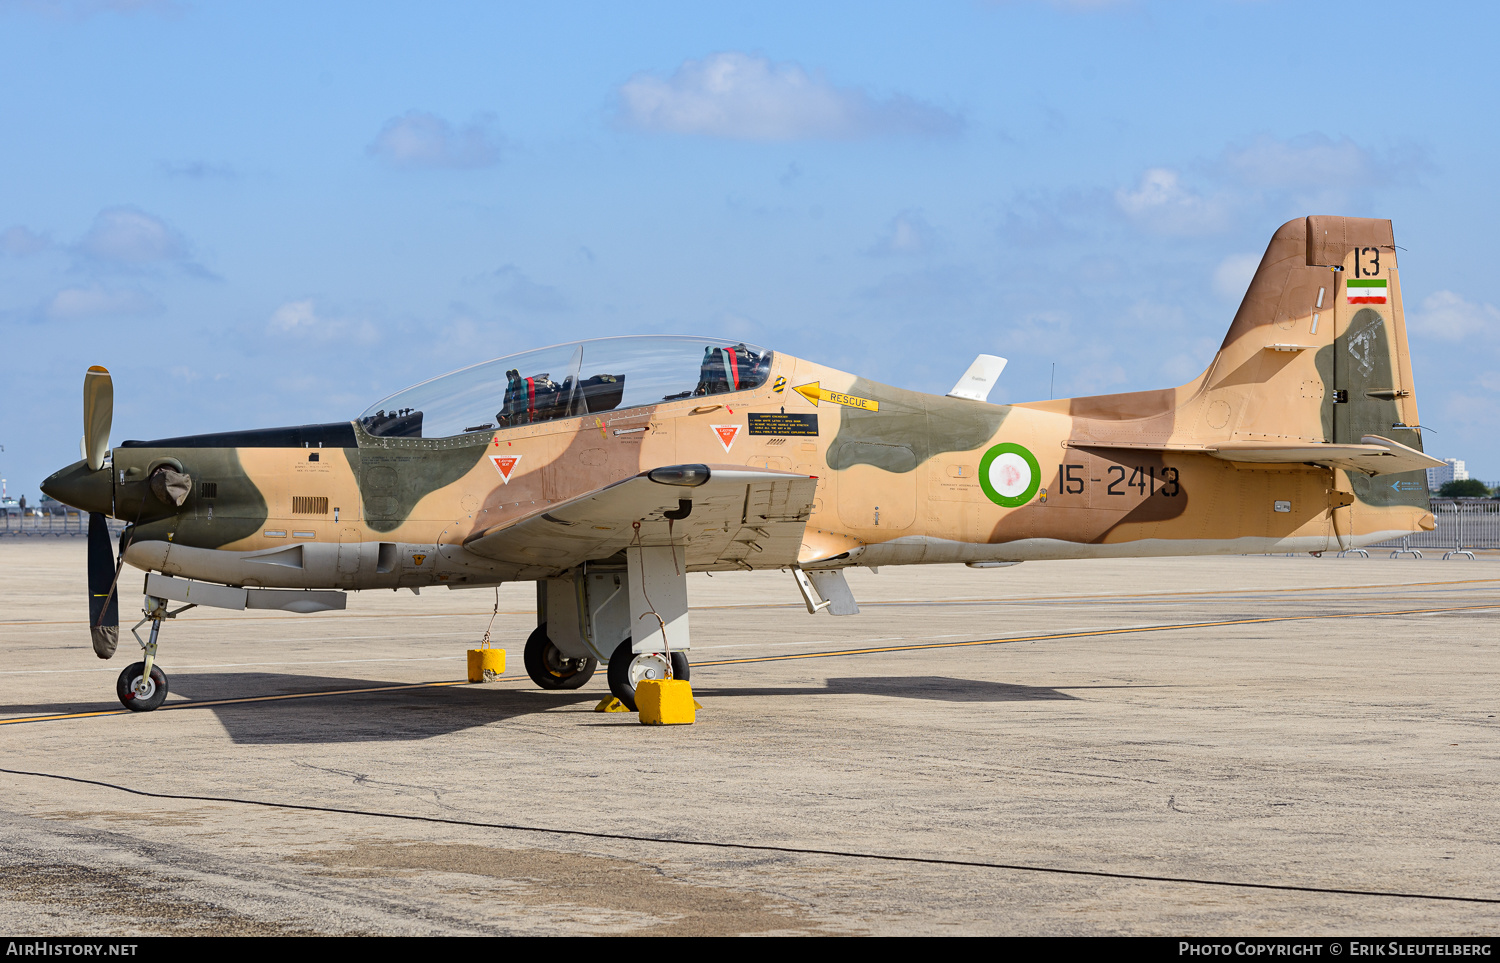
x=143 y=686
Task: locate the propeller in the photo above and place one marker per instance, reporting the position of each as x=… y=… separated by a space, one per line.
x=98 y=412
x=104 y=605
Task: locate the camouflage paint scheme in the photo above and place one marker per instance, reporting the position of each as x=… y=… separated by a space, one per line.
x=1143 y=473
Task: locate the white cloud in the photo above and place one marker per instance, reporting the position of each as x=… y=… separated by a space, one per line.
x=907 y=233
x=294 y=315
x=1232 y=276
x=127 y=238
x=19 y=242
x=737 y=96
x=522 y=292
x=1093 y=379
x=303 y=319
x=1448 y=316
x=78 y=304
x=1311 y=161
x=1268 y=179
x=929 y=293
x=198 y=170
x=418 y=139
x=1161 y=203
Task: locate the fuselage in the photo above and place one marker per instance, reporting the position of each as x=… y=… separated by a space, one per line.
x=903 y=478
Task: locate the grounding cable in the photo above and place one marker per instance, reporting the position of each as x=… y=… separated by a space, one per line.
x=766 y=848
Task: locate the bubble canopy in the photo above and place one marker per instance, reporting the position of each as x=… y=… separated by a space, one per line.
x=568 y=380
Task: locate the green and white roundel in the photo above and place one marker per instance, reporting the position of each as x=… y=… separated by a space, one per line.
x=1009 y=475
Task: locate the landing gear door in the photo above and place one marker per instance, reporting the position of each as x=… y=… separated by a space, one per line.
x=587 y=614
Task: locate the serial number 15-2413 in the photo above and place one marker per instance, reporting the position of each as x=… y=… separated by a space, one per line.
x=1143 y=479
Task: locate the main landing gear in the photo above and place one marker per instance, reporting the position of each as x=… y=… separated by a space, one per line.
x=143 y=686
x=582 y=615
x=627 y=669
x=549 y=668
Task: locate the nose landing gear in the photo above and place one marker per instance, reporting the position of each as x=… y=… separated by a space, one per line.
x=143 y=686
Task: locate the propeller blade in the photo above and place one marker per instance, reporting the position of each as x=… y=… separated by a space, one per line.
x=98 y=413
x=104 y=604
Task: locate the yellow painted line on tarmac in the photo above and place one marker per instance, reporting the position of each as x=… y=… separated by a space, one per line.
x=874 y=650
x=287 y=618
x=1137 y=596
x=1091 y=633
x=1011 y=599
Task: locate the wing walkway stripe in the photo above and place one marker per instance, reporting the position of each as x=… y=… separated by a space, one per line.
x=791 y=656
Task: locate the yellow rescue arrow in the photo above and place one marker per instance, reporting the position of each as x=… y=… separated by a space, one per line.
x=815 y=392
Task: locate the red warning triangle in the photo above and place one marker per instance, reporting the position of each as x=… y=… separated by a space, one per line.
x=505 y=465
x=727 y=434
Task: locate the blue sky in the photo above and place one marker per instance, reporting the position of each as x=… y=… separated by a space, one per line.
x=271 y=213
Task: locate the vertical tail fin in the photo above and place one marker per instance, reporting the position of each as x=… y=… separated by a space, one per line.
x=1317 y=351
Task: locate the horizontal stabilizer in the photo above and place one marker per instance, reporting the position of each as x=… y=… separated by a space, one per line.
x=1373 y=456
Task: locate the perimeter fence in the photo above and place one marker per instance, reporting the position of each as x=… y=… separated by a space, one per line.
x=1462 y=525
x=62 y=524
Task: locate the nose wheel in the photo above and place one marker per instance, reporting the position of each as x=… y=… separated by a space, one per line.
x=143 y=686
x=626 y=670
x=140 y=689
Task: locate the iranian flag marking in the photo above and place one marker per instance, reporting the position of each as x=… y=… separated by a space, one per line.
x=727 y=434
x=1358 y=291
x=505 y=465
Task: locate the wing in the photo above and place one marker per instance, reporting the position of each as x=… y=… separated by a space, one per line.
x=736 y=517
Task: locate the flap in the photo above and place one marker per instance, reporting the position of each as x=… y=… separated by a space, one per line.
x=736 y=517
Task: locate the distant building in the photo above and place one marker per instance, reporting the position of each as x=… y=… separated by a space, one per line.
x=1438 y=477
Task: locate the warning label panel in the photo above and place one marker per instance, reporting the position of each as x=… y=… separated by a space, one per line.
x=781 y=423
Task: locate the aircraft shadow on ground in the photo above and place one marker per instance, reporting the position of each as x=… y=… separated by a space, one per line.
x=409 y=714
x=938 y=688
x=397 y=715
x=393 y=715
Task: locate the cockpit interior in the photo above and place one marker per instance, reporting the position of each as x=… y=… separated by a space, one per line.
x=550 y=383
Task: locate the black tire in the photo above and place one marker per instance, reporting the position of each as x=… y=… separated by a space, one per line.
x=549 y=668
x=125 y=688
x=618 y=671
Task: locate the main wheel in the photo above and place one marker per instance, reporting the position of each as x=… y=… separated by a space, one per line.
x=626 y=670
x=549 y=668
x=140 y=694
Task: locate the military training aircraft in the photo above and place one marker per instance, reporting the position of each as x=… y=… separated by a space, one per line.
x=607 y=470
